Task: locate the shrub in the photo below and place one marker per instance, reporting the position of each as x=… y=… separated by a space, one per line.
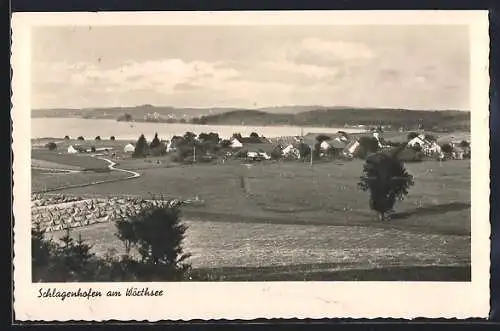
x=464 y=144
x=225 y=143
x=92 y=149
x=81 y=138
x=447 y=148
x=51 y=146
x=386 y=178
x=157 y=232
x=158 y=150
x=276 y=153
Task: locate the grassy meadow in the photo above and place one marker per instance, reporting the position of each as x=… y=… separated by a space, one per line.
x=288 y=220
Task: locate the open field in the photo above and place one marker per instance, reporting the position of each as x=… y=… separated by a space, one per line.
x=295 y=193
x=291 y=221
x=244 y=251
x=67 y=161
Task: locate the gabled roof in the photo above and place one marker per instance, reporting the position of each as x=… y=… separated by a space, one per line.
x=337 y=144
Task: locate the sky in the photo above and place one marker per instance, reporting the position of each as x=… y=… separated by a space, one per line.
x=412 y=67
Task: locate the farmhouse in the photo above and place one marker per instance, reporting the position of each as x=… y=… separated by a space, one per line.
x=169 y=146
x=325 y=145
x=352 y=147
x=129 y=148
x=428 y=146
x=291 y=151
x=235 y=143
x=72 y=150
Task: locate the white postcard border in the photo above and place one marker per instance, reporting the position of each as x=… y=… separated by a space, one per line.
x=251 y=300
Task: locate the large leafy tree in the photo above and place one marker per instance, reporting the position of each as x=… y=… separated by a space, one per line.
x=385 y=177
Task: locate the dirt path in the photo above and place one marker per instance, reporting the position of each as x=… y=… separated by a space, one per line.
x=111 y=166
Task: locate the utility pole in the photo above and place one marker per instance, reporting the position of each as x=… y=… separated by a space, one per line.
x=194 y=153
x=311 y=161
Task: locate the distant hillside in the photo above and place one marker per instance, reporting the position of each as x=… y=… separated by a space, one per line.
x=340 y=117
x=137 y=113
x=315 y=116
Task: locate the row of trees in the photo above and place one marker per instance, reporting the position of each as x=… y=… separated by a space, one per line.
x=112 y=138
x=156 y=235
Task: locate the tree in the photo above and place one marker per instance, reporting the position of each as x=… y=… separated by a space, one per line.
x=254 y=138
x=416 y=147
x=66 y=137
x=411 y=135
x=386 y=178
x=155 y=142
x=112 y=138
x=322 y=138
x=41 y=248
x=141 y=147
x=81 y=138
x=158 y=233
x=237 y=136
x=276 y=153
x=447 y=148
x=98 y=138
x=464 y=144
x=225 y=143
x=52 y=146
x=203 y=136
x=125 y=117
x=430 y=137
x=304 y=150
x=189 y=137
x=158 y=150
x=368 y=145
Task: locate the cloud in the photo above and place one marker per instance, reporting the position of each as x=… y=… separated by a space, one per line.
x=327 y=53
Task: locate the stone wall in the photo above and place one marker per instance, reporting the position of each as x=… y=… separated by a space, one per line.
x=57 y=213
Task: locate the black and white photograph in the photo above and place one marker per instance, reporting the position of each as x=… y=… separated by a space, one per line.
x=212 y=153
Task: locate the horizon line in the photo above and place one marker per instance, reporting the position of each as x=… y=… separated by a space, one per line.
x=249 y=108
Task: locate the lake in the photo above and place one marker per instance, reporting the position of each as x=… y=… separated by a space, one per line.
x=90 y=128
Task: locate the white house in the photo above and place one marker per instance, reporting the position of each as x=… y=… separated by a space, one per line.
x=72 y=150
x=428 y=147
x=264 y=155
x=235 y=143
x=129 y=148
x=352 y=147
x=324 y=145
x=420 y=140
x=170 y=147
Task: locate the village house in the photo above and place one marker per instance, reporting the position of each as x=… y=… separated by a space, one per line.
x=428 y=147
x=72 y=150
x=291 y=151
x=235 y=143
x=129 y=148
x=352 y=148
